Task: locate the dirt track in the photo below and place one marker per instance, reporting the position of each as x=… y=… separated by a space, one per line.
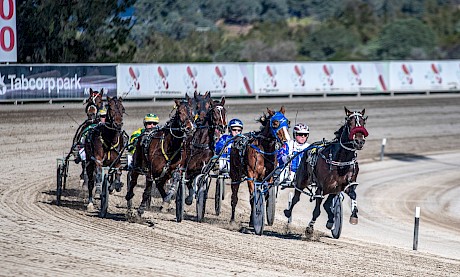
x=38 y=238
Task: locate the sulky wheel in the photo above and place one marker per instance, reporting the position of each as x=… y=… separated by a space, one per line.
x=338 y=216
x=258 y=211
x=180 y=201
x=59 y=178
x=220 y=185
x=104 y=197
x=271 y=202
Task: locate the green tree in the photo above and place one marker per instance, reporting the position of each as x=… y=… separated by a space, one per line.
x=406 y=39
x=274 y=10
x=242 y=11
x=330 y=42
x=73 y=31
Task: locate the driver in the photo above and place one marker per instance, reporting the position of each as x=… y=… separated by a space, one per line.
x=290 y=148
x=235 y=127
x=151 y=122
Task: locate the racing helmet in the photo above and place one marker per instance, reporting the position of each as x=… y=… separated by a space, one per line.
x=102 y=112
x=235 y=123
x=301 y=128
x=151 y=118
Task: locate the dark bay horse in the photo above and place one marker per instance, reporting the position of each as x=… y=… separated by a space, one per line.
x=201 y=145
x=331 y=168
x=160 y=155
x=252 y=153
x=103 y=145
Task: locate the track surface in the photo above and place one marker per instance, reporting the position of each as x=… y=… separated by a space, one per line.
x=422 y=159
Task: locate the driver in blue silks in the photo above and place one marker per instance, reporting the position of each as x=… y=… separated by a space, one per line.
x=235 y=127
x=292 y=147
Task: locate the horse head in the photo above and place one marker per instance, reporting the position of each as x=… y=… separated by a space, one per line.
x=355 y=123
x=278 y=125
x=201 y=106
x=94 y=103
x=115 y=111
x=218 y=116
x=184 y=114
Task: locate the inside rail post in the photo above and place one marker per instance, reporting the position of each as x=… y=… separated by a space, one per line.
x=417 y=220
x=384 y=141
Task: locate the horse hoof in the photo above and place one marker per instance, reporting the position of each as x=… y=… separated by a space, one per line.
x=287 y=213
x=131 y=215
x=189 y=200
x=308 y=231
x=353 y=220
x=329 y=225
x=90 y=207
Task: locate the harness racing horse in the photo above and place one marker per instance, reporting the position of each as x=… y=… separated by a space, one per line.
x=201 y=145
x=160 y=155
x=331 y=168
x=103 y=145
x=249 y=152
x=94 y=103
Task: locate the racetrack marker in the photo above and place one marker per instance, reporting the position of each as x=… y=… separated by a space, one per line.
x=417 y=219
x=384 y=141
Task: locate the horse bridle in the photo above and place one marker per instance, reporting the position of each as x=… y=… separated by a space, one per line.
x=182 y=128
x=221 y=115
x=112 y=124
x=358 y=128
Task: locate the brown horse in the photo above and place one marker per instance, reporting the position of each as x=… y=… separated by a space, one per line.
x=249 y=158
x=331 y=168
x=160 y=155
x=94 y=103
x=103 y=145
x=201 y=145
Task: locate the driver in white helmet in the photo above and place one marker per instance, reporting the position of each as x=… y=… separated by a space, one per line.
x=290 y=149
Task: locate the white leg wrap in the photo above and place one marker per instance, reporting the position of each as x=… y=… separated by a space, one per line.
x=82 y=154
x=353 y=205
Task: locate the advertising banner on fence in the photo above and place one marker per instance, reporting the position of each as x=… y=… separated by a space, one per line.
x=51 y=82
x=424 y=75
x=330 y=77
x=8 y=34
x=175 y=80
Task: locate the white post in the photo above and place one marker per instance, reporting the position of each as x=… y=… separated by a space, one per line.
x=417 y=219
x=384 y=141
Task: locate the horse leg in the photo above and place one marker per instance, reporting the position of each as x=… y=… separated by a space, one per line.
x=328 y=208
x=145 y=196
x=191 y=192
x=235 y=188
x=117 y=184
x=98 y=170
x=176 y=178
x=251 y=202
x=316 y=213
x=132 y=184
x=90 y=172
x=295 y=199
x=82 y=174
x=354 y=205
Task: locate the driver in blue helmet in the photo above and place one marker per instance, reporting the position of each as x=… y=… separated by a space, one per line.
x=235 y=127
